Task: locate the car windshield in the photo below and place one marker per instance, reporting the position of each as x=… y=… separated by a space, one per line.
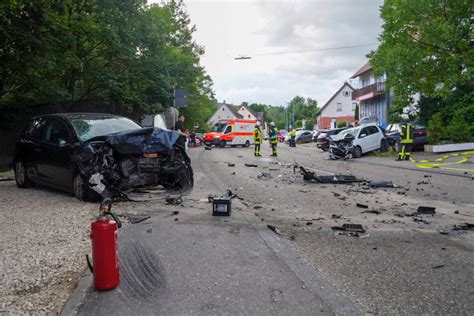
x=352 y=131
x=218 y=127
x=88 y=127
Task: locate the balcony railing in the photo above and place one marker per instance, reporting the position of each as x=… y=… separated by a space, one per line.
x=369 y=92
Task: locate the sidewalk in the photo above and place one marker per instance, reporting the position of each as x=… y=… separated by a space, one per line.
x=214 y=266
x=448 y=165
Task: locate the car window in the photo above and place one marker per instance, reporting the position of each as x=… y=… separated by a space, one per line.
x=55 y=132
x=228 y=129
x=365 y=131
x=373 y=130
x=36 y=128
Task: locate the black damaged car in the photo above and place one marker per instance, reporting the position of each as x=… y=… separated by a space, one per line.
x=101 y=155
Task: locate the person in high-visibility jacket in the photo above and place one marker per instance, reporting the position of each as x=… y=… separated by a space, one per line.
x=257 y=139
x=273 y=138
x=291 y=138
x=406 y=139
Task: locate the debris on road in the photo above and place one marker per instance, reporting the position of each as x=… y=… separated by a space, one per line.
x=264 y=176
x=135 y=219
x=439 y=266
x=465 y=226
x=257 y=207
x=336 y=216
x=274 y=229
x=174 y=201
x=426 y=210
x=250 y=165
x=336 y=179
x=175 y=213
x=372 y=212
x=381 y=184
x=150 y=230
x=349 y=229
x=362 y=205
x=207 y=148
x=231 y=164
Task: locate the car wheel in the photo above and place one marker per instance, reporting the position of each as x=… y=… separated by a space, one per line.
x=247 y=144
x=21 y=177
x=383 y=145
x=82 y=192
x=222 y=144
x=357 y=152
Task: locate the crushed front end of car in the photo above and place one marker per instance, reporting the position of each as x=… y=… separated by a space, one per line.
x=135 y=165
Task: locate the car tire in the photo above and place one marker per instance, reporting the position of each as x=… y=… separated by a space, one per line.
x=21 y=177
x=383 y=145
x=82 y=192
x=357 y=152
x=222 y=144
x=233 y=146
x=247 y=144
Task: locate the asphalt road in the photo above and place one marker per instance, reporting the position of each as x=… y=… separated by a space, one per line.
x=193 y=263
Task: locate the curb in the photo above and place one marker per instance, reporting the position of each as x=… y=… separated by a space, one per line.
x=77 y=297
x=313 y=280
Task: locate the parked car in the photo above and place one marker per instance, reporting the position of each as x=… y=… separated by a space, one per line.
x=323 y=137
x=392 y=134
x=368 y=137
x=304 y=137
x=99 y=155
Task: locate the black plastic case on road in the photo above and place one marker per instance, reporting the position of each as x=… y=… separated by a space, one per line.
x=221 y=207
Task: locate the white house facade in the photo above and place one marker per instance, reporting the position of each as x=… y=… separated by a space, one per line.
x=340 y=107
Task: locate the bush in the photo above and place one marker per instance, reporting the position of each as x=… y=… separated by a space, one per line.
x=461 y=127
x=342 y=124
x=436 y=130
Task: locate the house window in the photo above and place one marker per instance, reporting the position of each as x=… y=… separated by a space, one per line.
x=346 y=93
x=339 y=106
x=223 y=109
x=354 y=104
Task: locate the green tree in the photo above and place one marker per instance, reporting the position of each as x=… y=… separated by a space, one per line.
x=426 y=46
x=356 y=112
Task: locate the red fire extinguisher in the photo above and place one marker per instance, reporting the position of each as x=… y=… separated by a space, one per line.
x=105 y=248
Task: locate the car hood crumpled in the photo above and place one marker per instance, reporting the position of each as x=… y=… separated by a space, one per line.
x=142 y=141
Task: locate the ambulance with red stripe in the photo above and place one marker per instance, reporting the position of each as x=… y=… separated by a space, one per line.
x=231 y=132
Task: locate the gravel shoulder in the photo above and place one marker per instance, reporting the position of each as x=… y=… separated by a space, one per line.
x=44 y=235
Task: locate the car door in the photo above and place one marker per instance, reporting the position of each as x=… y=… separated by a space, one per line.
x=375 y=137
x=55 y=162
x=29 y=148
x=363 y=139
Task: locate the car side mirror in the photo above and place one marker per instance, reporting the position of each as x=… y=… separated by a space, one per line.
x=362 y=135
x=63 y=143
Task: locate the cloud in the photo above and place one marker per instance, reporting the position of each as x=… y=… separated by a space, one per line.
x=255 y=28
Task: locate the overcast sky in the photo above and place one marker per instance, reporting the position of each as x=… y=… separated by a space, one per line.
x=231 y=28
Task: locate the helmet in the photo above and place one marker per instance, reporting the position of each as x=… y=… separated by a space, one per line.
x=405 y=117
x=272 y=123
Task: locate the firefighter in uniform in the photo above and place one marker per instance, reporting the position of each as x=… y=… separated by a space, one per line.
x=273 y=138
x=406 y=139
x=292 y=136
x=257 y=138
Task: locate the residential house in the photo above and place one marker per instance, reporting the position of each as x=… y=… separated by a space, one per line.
x=248 y=114
x=370 y=94
x=224 y=112
x=338 y=108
